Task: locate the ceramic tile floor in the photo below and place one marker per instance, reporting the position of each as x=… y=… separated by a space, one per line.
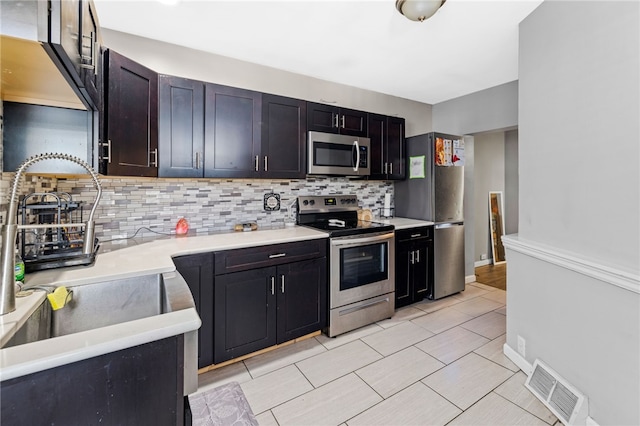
x=434 y=363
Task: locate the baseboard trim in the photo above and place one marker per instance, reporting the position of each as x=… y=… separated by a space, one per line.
x=626 y=279
x=517 y=359
x=482 y=263
x=470 y=279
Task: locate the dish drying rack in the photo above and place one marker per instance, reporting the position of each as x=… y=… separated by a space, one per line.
x=48 y=243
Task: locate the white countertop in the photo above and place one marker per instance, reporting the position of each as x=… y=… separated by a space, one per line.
x=132 y=260
x=155 y=256
x=135 y=258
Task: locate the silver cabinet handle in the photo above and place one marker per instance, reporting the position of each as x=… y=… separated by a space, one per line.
x=385 y=168
x=91 y=65
x=257 y=159
x=413 y=253
x=390 y=168
x=282 y=283
x=417 y=256
x=273 y=256
x=108 y=145
x=273 y=285
x=265 y=163
x=335 y=124
x=342 y=122
x=154 y=162
x=197 y=160
x=415 y=235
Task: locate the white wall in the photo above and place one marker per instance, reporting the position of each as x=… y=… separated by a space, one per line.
x=574 y=269
x=176 y=60
x=489 y=175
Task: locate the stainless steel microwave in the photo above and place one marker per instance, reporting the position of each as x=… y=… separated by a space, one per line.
x=342 y=155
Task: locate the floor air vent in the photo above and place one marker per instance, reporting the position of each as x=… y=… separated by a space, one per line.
x=569 y=405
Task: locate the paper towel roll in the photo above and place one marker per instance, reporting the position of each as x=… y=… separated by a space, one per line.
x=386 y=211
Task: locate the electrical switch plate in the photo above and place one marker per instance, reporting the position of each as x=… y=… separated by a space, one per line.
x=522 y=349
x=483 y=256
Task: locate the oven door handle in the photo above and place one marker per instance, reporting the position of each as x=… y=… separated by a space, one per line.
x=340 y=242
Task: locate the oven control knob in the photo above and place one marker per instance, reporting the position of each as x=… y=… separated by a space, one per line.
x=312 y=202
x=305 y=202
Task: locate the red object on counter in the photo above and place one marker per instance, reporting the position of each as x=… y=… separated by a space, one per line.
x=182 y=227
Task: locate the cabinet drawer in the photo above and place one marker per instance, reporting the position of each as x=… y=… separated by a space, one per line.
x=277 y=254
x=411 y=234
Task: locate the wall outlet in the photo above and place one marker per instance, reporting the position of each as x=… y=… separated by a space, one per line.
x=522 y=348
x=483 y=256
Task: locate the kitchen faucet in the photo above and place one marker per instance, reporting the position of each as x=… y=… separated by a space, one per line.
x=10 y=229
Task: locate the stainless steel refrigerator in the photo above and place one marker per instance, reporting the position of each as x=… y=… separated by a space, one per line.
x=434 y=191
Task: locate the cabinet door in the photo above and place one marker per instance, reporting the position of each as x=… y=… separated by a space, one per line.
x=284 y=128
x=322 y=118
x=131 y=118
x=90 y=51
x=244 y=313
x=302 y=298
x=422 y=270
x=232 y=132
x=377 y=131
x=403 y=275
x=395 y=148
x=181 y=127
x=352 y=122
x=197 y=270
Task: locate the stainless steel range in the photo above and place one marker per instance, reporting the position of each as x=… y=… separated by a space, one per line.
x=361 y=259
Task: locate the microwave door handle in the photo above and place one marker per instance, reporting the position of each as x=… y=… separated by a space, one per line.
x=357 y=147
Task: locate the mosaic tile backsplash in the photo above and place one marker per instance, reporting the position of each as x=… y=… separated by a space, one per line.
x=129 y=204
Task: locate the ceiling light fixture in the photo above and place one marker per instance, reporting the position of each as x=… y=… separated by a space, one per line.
x=418 y=10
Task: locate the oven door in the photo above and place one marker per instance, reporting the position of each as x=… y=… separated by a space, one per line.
x=361 y=267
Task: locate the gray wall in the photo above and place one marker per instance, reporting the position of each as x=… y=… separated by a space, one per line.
x=511 y=179
x=575 y=294
x=171 y=59
x=489 y=175
x=484 y=111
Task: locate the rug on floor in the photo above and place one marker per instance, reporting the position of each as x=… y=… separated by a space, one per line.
x=224 y=405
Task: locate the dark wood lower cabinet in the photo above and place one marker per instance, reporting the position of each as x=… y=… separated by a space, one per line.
x=244 y=313
x=268 y=295
x=197 y=271
x=414 y=264
x=137 y=386
x=251 y=298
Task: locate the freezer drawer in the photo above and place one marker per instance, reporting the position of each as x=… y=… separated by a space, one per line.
x=448 y=250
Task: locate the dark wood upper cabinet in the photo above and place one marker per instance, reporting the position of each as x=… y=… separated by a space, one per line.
x=130 y=145
x=284 y=129
x=74 y=38
x=387 y=147
x=332 y=119
x=232 y=132
x=181 y=127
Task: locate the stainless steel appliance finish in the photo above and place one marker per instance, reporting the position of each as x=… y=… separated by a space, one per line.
x=448 y=247
x=438 y=197
x=331 y=154
x=361 y=259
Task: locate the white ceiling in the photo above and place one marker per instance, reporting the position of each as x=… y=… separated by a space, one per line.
x=468 y=45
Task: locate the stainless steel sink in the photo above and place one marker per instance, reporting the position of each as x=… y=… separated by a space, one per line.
x=96 y=306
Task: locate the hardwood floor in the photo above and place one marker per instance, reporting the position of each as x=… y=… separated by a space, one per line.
x=493 y=275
